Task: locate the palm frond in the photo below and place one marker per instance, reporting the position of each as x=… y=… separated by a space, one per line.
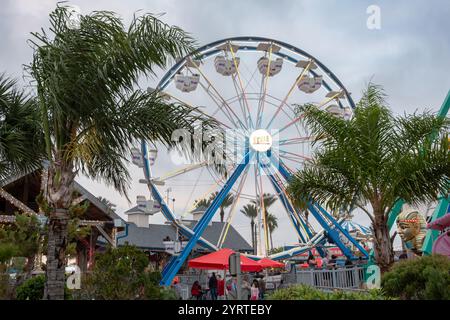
x=21 y=139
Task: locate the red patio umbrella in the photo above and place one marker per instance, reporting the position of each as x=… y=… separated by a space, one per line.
x=269 y=263
x=219 y=261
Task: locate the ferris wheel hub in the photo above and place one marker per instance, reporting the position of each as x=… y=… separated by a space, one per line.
x=260 y=140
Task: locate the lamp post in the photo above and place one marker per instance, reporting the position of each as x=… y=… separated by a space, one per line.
x=168 y=190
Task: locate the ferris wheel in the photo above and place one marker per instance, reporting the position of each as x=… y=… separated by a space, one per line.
x=250 y=86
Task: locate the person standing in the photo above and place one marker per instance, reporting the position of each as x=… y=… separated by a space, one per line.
x=262 y=288
x=332 y=262
x=232 y=289
x=245 y=288
x=196 y=290
x=254 y=290
x=311 y=261
x=213 y=286
x=325 y=262
x=220 y=288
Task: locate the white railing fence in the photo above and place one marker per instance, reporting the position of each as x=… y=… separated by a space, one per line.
x=344 y=278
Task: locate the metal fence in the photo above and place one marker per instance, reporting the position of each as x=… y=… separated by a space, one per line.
x=344 y=278
x=326 y=279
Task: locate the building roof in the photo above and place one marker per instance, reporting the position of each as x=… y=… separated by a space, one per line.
x=152 y=237
x=104 y=211
x=135 y=210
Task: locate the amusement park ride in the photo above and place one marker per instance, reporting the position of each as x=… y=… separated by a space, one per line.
x=269 y=141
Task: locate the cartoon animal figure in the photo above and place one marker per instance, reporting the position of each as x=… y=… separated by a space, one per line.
x=412 y=228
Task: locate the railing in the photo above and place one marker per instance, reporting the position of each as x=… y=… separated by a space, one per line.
x=344 y=278
x=325 y=279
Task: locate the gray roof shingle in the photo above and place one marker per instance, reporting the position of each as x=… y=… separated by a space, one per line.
x=152 y=237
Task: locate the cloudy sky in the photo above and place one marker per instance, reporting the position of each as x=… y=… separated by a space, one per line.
x=409 y=55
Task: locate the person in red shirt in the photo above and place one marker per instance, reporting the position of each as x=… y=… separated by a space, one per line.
x=196 y=290
x=220 y=288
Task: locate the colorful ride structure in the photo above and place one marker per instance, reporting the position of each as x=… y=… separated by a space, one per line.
x=260 y=142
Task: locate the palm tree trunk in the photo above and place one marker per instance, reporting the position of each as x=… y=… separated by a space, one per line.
x=252 y=224
x=271 y=241
x=256 y=238
x=59 y=197
x=29 y=266
x=382 y=244
x=222 y=214
x=56 y=255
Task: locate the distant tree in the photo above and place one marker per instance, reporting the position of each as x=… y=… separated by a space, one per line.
x=272 y=224
x=227 y=201
x=268 y=200
x=250 y=211
x=202 y=203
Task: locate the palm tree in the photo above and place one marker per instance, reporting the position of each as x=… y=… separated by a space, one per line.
x=268 y=200
x=21 y=138
x=202 y=203
x=375 y=158
x=250 y=211
x=91 y=112
x=272 y=224
x=227 y=201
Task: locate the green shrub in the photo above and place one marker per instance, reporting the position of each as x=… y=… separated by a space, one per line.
x=31 y=289
x=426 y=278
x=152 y=289
x=167 y=294
x=121 y=273
x=117 y=274
x=4 y=286
x=304 y=292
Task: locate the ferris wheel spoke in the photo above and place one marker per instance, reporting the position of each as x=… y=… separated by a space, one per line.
x=307 y=139
x=297 y=80
x=224 y=233
x=194 y=107
x=334 y=96
x=308 y=228
x=287 y=204
x=293 y=121
x=249 y=120
x=216 y=101
x=181 y=171
x=252 y=79
x=258 y=220
x=284 y=153
x=240 y=99
x=264 y=83
x=323 y=103
x=224 y=102
x=263 y=211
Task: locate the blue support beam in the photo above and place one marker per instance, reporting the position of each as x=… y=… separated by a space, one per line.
x=287 y=175
x=164 y=207
x=289 y=209
x=332 y=232
x=176 y=262
x=343 y=230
